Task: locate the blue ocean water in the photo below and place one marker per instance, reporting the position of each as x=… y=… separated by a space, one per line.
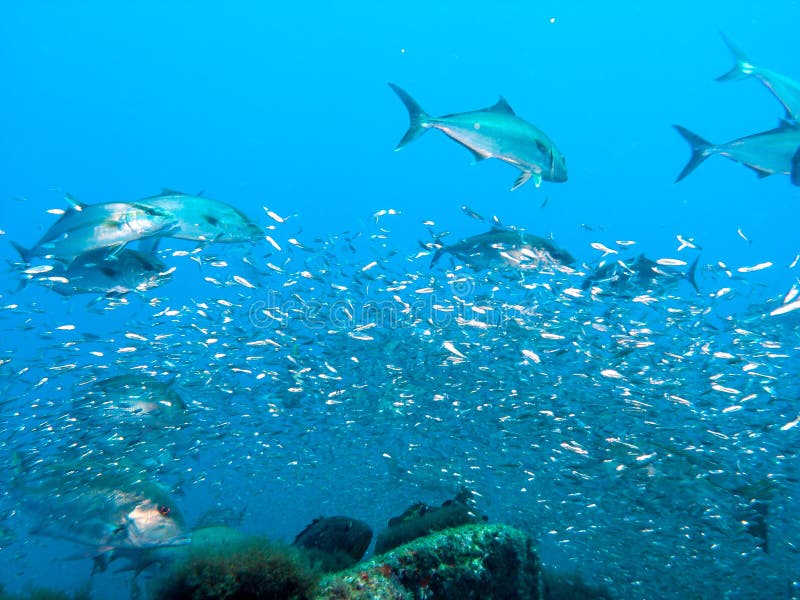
x=624 y=450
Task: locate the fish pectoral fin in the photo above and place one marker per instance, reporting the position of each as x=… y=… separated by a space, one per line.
x=522 y=179
x=114 y=251
x=796 y=168
x=760 y=173
x=476 y=156
x=149 y=246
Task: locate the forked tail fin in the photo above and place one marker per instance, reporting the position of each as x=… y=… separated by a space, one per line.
x=416 y=116
x=690 y=274
x=742 y=68
x=701 y=150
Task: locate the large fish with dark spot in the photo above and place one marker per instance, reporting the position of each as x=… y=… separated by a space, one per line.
x=785 y=89
x=87 y=227
x=204 y=219
x=97 y=272
x=494 y=132
x=509 y=248
x=766 y=153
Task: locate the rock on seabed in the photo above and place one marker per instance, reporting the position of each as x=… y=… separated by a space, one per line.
x=470 y=562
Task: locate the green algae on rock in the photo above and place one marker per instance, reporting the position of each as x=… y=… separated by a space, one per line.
x=468 y=562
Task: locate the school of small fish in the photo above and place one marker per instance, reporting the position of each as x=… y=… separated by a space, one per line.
x=630 y=412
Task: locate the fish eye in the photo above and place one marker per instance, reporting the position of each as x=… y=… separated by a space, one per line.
x=541 y=146
x=164 y=509
x=211 y=220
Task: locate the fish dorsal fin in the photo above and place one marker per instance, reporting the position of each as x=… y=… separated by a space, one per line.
x=74 y=203
x=502 y=106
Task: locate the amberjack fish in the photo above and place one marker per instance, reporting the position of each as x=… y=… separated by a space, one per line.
x=204 y=219
x=643 y=273
x=87 y=227
x=504 y=247
x=767 y=153
x=95 y=272
x=785 y=89
x=494 y=132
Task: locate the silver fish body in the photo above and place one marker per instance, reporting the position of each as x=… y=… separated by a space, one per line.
x=204 y=219
x=102 y=509
x=97 y=272
x=87 y=227
x=494 y=132
x=132 y=399
x=641 y=274
x=785 y=89
x=767 y=153
x=506 y=248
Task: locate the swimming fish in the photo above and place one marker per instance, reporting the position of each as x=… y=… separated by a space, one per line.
x=505 y=247
x=767 y=153
x=97 y=272
x=203 y=219
x=134 y=398
x=641 y=273
x=494 y=132
x=99 y=507
x=337 y=542
x=785 y=89
x=87 y=227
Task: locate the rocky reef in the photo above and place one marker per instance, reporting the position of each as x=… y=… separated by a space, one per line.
x=468 y=562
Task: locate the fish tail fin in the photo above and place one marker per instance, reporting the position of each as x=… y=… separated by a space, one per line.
x=742 y=68
x=24 y=253
x=690 y=274
x=418 y=117
x=701 y=150
x=436 y=256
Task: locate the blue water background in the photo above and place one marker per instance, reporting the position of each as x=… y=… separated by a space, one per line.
x=286 y=106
